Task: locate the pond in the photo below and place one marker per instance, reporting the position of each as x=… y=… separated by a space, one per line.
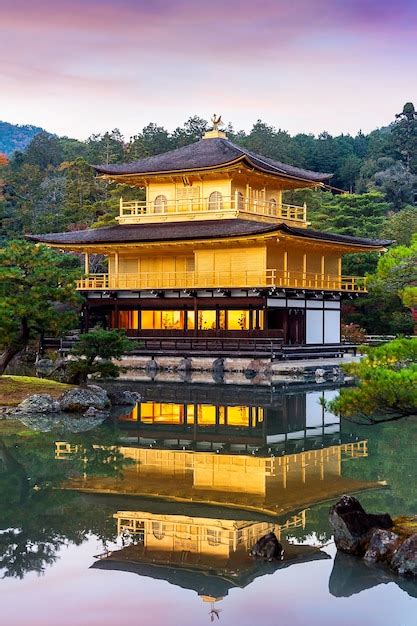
x=148 y=519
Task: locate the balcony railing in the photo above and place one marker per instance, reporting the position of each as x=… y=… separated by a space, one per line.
x=223 y=279
x=233 y=205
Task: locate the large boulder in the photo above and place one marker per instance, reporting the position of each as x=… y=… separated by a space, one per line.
x=353 y=527
x=404 y=560
x=38 y=403
x=124 y=398
x=382 y=545
x=80 y=399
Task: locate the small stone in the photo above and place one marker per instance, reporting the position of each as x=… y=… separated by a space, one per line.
x=404 y=560
x=382 y=546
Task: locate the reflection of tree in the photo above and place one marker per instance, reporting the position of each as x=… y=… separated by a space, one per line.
x=36 y=518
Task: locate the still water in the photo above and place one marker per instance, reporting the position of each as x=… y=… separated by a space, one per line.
x=148 y=519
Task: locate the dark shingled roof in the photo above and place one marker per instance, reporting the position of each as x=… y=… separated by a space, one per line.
x=209 y=153
x=181 y=231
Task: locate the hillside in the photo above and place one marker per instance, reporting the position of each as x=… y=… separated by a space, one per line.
x=15 y=137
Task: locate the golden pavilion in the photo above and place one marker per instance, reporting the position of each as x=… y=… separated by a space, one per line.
x=214 y=252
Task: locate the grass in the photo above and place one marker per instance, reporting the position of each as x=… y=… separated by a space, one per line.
x=14 y=389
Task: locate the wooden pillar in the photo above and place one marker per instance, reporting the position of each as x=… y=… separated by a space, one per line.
x=285 y=268
x=322 y=270
x=86 y=263
x=304 y=269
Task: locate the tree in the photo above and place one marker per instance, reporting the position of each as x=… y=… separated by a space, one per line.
x=387 y=384
x=404 y=133
x=94 y=353
x=396 y=273
x=35 y=284
x=401 y=226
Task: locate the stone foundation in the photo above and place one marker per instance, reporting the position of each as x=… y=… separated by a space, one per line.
x=256 y=371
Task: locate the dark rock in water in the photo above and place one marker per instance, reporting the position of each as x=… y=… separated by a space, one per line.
x=82 y=398
x=268 y=547
x=353 y=527
x=382 y=546
x=124 y=398
x=38 y=403
x=404 y=560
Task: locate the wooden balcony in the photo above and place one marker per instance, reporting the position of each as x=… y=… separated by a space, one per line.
x=210 y=279
x=136 y=211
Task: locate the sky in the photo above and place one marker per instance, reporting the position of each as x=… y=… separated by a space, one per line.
x=77 y=67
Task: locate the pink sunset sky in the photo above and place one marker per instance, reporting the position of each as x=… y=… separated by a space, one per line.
x=81 y=66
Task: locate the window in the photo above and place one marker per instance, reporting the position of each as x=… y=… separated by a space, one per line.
x=163 y=320
x=158 y=530
x=238 y=320
x=240 y=201
x=207 y=320
x=213 y=537
x=160 y=204
x=128 y=319
x=215 y=202
x=272 y=206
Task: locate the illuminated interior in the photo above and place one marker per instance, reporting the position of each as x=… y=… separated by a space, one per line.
x=185 y=320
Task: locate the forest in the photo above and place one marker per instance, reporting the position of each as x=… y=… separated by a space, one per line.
x=50 y=186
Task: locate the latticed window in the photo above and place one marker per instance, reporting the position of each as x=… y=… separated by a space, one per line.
x=213 y=537
x=215 y=202
x=160 y=204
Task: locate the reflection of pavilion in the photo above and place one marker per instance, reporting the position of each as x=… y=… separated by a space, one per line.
x=209 y=556
x=288 y=422
x=267 y=484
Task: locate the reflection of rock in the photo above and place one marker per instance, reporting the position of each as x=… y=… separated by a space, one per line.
x=353 y=527
x=38 y=403
x=124 y=398
x=82 y=398
x=404 y=560
x=60 y=423
x=268 y=547
x=351 y=575
x=382 y=545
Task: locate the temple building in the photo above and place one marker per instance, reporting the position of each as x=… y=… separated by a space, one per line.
x=213 y=251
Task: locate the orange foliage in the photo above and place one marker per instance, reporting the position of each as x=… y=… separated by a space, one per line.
x=3 y=160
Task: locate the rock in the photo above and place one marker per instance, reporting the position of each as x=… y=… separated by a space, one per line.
x=38 y=403
x=44 y=367
x=382 y=545
x=353 y=527
x=124 y=398
x=320 y=373
x=82 y=398
x=404 y=560
x=268 y=547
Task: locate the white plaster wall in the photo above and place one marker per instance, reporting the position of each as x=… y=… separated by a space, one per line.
x=314 y=326
x=331 y=326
